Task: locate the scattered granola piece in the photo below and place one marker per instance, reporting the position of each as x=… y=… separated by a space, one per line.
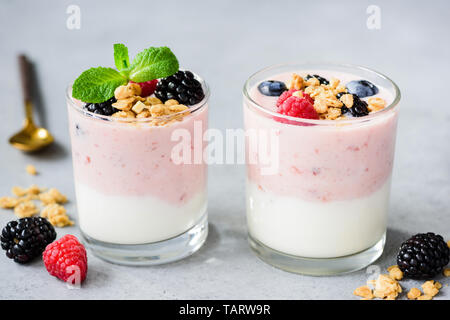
x=8 y=202
x=386 y=287
x=18 y=191
x=446 y=272
x=26 y=209
x=431 y=288
x=57 y=215
x=414 y=293
x=448 y=243
x=31 y=169
x=424 y=297
x=52 y=196
x=395 y=272
x=364 y=292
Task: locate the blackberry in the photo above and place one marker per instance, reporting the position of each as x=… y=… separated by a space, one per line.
x=321 y=79
x=26 y=238
x=182 y=86
x=103 y=108
x=359 y=108
x=423 y=256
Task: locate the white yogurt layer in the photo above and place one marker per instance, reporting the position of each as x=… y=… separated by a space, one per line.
x=315 y=229
x=135 y=219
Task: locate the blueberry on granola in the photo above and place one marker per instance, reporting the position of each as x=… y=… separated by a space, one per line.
x=321 y=79
x=362 y=88
x=272 y=88
x=181 y=86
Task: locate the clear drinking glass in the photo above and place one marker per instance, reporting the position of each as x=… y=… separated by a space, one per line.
x=135 y=204
x=324 y=209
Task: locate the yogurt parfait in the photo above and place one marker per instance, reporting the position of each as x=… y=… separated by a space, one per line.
x=135 y=204
x=324 y=210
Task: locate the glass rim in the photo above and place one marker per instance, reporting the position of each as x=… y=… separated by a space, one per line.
x=191 y=109
x=355 y=120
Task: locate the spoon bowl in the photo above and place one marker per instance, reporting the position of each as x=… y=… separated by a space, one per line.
x=31 y=137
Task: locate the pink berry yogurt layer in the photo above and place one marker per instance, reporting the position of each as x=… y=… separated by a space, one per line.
x=328 y=162
x=126 y=159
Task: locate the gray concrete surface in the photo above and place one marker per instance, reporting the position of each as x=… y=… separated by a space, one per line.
x=225 y=42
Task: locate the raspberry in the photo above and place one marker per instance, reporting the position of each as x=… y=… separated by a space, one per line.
x=299 y=107
x=148 y=87
x=283 y=97
x=65 y=258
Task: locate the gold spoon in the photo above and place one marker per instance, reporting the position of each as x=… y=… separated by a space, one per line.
x=31 y=137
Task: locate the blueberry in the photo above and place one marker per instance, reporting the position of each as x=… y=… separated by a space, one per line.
x=272 y=88
x=362 y=88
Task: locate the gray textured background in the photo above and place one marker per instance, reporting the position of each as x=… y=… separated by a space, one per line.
x=225 y=42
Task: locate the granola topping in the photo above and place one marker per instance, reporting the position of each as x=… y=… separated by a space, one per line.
x=332 y=101
x=131 y=105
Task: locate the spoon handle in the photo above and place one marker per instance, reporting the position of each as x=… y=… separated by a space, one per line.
x=25 y=77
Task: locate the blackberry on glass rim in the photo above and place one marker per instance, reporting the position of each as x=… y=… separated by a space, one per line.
x=182 y=86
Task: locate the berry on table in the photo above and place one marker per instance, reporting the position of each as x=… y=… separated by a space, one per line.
x=182 y=86
x=362 y=88
x=272 y=88
x=66 y=259
x=26 y=239
x=103 y=108
x=423 y=256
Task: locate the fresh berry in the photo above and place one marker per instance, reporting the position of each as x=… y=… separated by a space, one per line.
x=362 y=88
x=26 y=238
x=102 y=108
x=423 y=256
x=299 y=107
x=182 y=86
x=66 y=259
x=359 y=108
x=147 y=88
x=272 y=88
x=321 y=79
x=284 y=96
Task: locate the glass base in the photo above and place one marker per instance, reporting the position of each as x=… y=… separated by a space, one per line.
x=318 y=266
x=154 y=253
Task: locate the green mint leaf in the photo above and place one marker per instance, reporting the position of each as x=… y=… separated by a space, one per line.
x=97 y=84
x=153 y=63
x=121 y=59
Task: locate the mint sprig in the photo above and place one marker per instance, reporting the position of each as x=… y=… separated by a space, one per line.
x=153 y=63
x=96 y=85
x=121 y=59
